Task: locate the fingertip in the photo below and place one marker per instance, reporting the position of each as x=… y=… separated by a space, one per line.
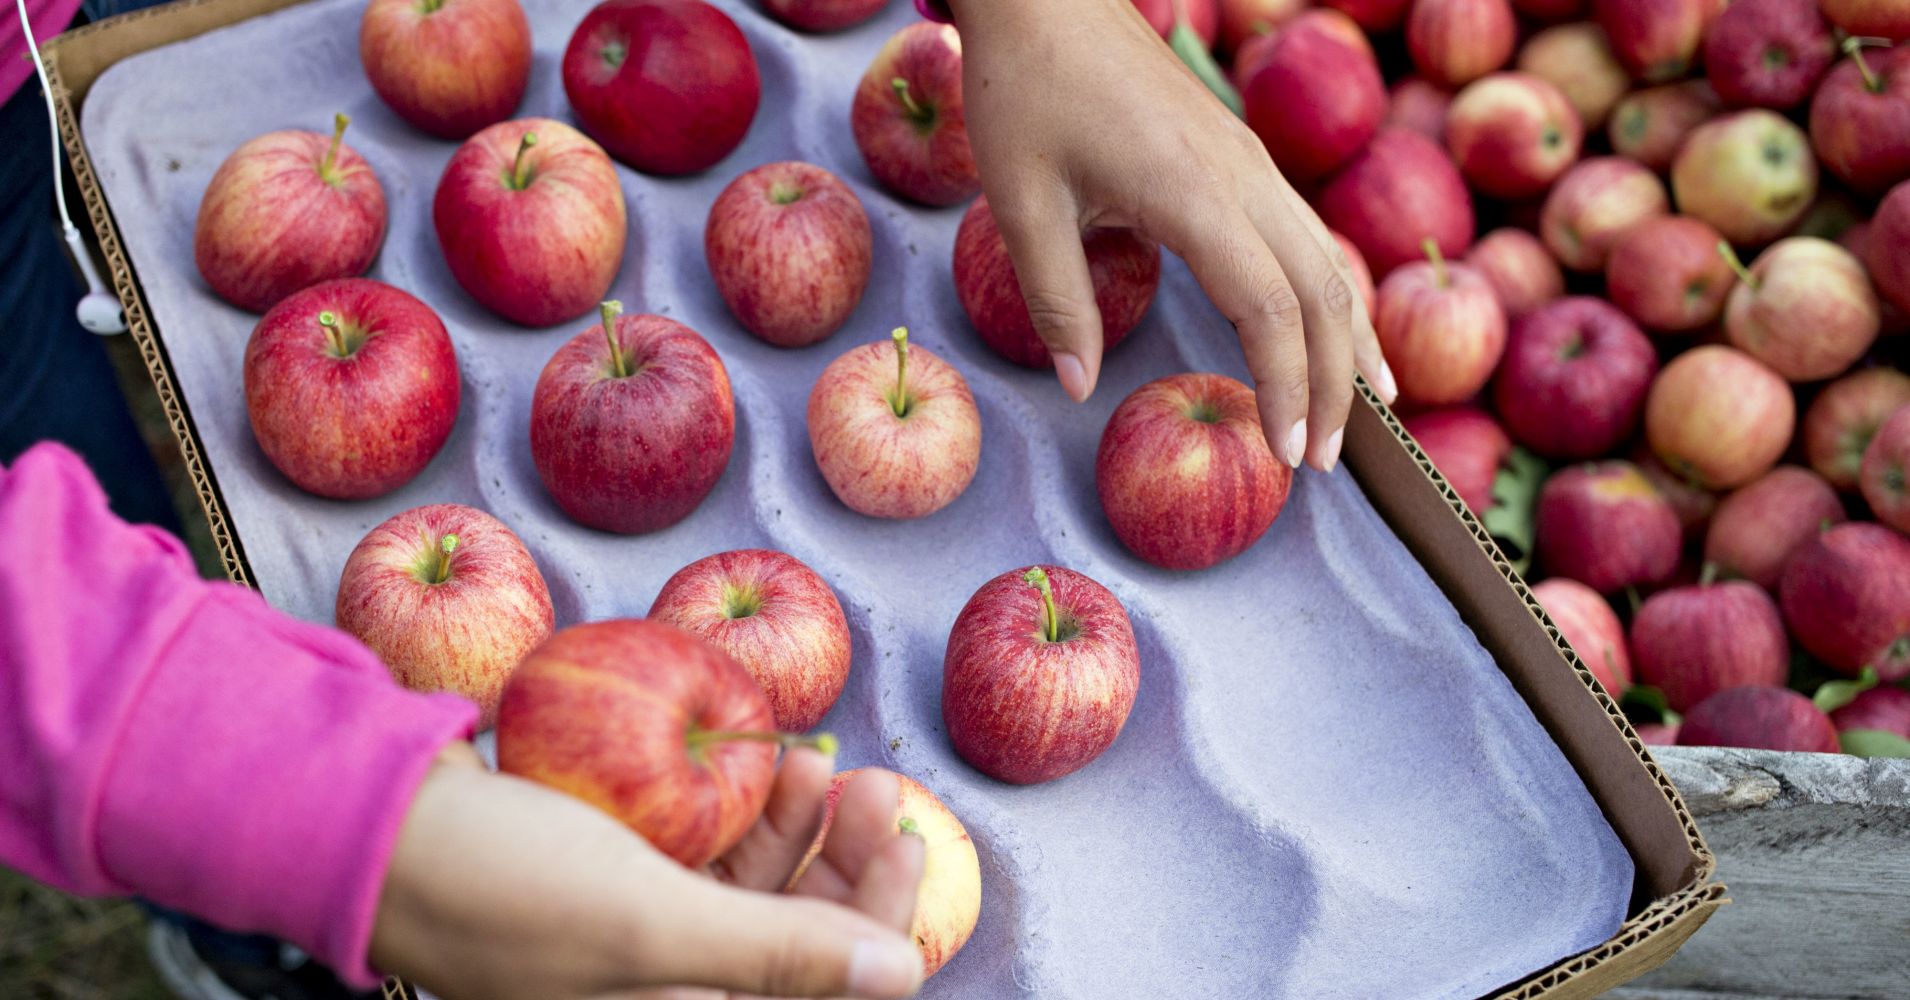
x=1329 y=453
x=1075 y=380
x=1295 y=447
x=1387 y=387
x=884 y=969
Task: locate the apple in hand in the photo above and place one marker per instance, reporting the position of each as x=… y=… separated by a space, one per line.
x=285 y=211
x=907 y=117
x=1759 y=718
x=1843 y=418
x=1768 y=53
x=790 y=249
x=1692 y=642
x=351 y=387
x=1860 y=117
x=1184 y=473
x=823 y=15
x=1885 y=708
x=1750 y=174
x=1650 y=125
x=1418 y=104
x=1593 y=205
x=1804 y=307
x=1590 y=626
x=1655 y=40
x=1040 y=674
x=449 y=598
x=449 y=67
x=1441 y=328
x=1454 y=42
x=1577 y=60
x=1467 y=446
x=1124 y=266
x=1393 y=195
x=1888 y=252
x=894 y=429
x=668 y=86
x=776 y=617
x=1755 y=529
x=1846 y=596
x=1521 y=271
x=632 y=422
x=1882 y=473
x=1666 y=273
x=1512 y=134
x=1315 y=100
x=1719 y=417
x=1604 y=525
x=1877 y=18
x=1574 y=378
x=650 y=724
x=531 y=219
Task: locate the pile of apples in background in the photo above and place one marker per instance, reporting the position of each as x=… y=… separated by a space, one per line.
x=1666 y=376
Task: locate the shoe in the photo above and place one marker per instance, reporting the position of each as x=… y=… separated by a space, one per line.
x=292 y=976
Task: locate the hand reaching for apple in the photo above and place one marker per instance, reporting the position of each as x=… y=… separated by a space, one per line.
x=500 y=887
x=1080 y=117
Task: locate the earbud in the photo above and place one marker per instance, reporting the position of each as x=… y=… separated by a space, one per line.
x=99 y=311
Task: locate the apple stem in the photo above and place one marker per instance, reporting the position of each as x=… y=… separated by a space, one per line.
x=339 y=121
x=328 y=321
x=1854 y=46
x=442 y=571
x=432 y=6
x=610 y=310
x=821 y=742
x=520 y=169
x=900 y=401
x=907 y=824
x=1431 y=246
x=1708 y=575
x=915 y=111
x=1050 y=619
x=1737 y=266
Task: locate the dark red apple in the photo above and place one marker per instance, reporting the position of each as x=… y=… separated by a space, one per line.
x=1467 y=446
x=1843 y=418
x=1860 y=118
x=1373 y=15
x=1719 y=417
x=1768 y=53
x=1667 y=274
x=1846 y=597
x=1604 y=525
x=1884 y=708
x=789 y=248
x=1755 y=529
x=1592 y=206
x=1656 y=40
x=1650 y=125
x=1418 y=104
x=1577 y=60
x=1521 y=271
x=1758 y=718
x=1692 y=642
x=1549 y=10
x=1804 y=307
x=1040 y=674
x=1393 y=195
x=1441 y=329
x=1126 y=269
x=1314 y=101
x=1512 y=134
x=632 y=423
x=1882 y=473
x=449 y=67
x=823 y=15
x=1574 y=378
x=1590 y=626
x=351 y=387
x=908 y=121
x=1888 y=253
x=1454 y=42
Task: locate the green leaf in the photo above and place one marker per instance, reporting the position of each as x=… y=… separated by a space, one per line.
x=1192 y=51
x=1515 y=496
x=1644 y=703
x=1873 y=743
x=1833 y=695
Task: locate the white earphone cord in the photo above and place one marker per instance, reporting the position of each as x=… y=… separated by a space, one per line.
x=53 y=126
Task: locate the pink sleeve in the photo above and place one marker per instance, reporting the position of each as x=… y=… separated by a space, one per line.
x=179 y=740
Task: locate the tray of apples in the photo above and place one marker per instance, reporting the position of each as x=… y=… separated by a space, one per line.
x=652 y=374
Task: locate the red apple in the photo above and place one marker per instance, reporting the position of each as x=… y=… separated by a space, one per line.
x=1718 y=417
x=1454 y=42
x=1202 y=16
x=1846 y=597
x=632 y=423
x=351 y=387
x=1243 y=20
x=1441 y=328
x=1804 y=307
x=1758 y=718
x=1040 y=675
x=1888 y=252
x=907 y=117
x=285 y=211
x=1881 y=18
x=1650 y=125
x=776 y=617
x=1755 y=529
x=1362 y=275
x=1692 y=642
x=1750 y=174
x=531 y=219
x=1593 y=205
x=1882 y=473
x=1692 y=503
x=1512 y=134
x=450 y=67
x=1420 y=105
x=894 y=429
x=1521 y=271
x=1467 y=446
x=648 y=723
x=1604 y=525
x=823 y=15
x=1125 y=268
x=1549 y=10
x=789 y=248
x=1860 y=118
x=668 y=86
x=1667 y=274
x=1590 y=626
x=1372 y=15
x=1184 y=473
x=1768 y=53
x=1884 y=708
x=1655 y=40
x=449 y=598
x=1843 y=418
x=1393 y=195
x=1574 y=378
x=1314 y=101
x=1577 y=60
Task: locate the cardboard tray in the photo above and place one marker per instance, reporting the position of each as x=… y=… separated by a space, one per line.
x=1674 y=892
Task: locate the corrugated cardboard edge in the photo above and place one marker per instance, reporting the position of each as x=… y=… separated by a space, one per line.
x=1376 y=444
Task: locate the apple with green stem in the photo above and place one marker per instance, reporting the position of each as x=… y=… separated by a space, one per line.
x=1605 y=525
x=1574 y=378
x=1588 y=624
x=1040 y=674
x=1665 y=272
x=1759 y=717
x=1692 y=642
x=1860 y=117
x=286 y=211
x=1467 y=446
x=1521 y=271
x=1882 y=473
x=1512 y=134
x=907 y=117
x=1590 y=208
x=789 y=248
x=449 y=67
x=1750 y=174
x=1719 y=417
x=1846 y=596
x=1768 y=53
x=1650 y=125
x=894 y=429
x=1804 y=307
x=1441 y=328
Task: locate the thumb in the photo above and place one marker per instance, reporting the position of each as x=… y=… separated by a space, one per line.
x=1043 y=236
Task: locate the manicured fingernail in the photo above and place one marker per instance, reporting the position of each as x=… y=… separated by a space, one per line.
x=1073 y=375
x=884 y=969
x=1331 y=456
x=1296 y=444
x=1388 y=389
